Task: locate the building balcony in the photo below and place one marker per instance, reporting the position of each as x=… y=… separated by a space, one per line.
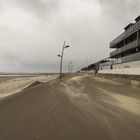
x=126 y=34
x=132 y=29
x=117 y=40
x=125 y=48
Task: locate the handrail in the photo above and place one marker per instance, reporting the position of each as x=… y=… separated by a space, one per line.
x=125 y=48
x=128 y=32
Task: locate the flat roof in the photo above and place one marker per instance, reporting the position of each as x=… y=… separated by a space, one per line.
x=128 y=26
x=137 y=19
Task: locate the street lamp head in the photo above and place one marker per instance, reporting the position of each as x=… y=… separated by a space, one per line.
x=66 y=46
x=59 y=55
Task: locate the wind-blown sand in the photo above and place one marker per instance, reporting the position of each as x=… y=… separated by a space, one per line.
x=79 y=108
x=13 y=84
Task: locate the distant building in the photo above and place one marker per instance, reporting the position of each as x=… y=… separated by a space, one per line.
x=125 y=59
x=127 y=45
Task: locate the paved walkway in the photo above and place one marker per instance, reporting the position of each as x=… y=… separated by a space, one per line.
x=81 y=108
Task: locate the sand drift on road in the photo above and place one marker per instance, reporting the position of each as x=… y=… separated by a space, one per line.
x=79 y=108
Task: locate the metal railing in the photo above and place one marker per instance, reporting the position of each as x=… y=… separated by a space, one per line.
x=132 y=29
x=125 y=48
x=118 y=39
x=127 y=33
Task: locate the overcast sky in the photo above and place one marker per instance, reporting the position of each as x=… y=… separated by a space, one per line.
x=32 y=32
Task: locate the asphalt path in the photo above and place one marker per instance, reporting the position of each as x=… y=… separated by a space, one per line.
x=80 y=108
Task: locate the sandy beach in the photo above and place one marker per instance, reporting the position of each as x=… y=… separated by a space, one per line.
x=11 y=84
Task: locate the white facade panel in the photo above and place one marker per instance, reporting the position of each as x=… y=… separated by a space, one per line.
x=130 y=68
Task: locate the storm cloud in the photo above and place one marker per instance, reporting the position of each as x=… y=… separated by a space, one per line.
x=121 y=10
x=32 y=31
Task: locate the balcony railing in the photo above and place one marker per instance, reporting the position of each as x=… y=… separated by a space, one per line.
x=125 y=48
x=127 y=33
x=118 y=39
x=132 y=29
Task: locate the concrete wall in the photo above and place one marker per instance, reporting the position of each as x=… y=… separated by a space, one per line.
x=130 y=68
x=126 y=71
x=133 y=64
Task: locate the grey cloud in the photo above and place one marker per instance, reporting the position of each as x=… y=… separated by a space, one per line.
x=120 y=10
x=7 y=55
x=39 y=67
x=39 y=8
x=1 y=5
x=30 y=48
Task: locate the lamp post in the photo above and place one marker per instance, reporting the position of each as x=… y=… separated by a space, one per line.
x=69 y=68
x=61 y=61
